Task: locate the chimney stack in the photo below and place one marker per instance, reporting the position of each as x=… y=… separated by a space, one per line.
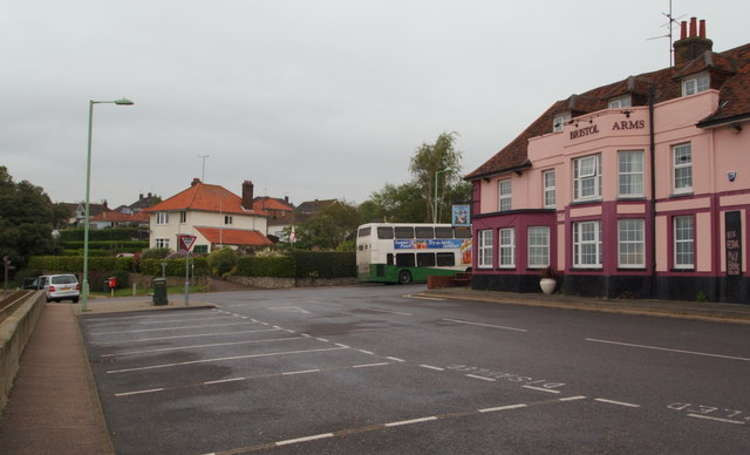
x=286 y=199
x=247 y=195
x=195 y=181
x=693 y=45
x=140 y=197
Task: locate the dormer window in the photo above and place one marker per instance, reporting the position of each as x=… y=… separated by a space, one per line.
x=696 y=84
x=559 y=122
x=620 y=102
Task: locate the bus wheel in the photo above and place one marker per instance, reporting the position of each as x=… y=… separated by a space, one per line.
x=404 y=277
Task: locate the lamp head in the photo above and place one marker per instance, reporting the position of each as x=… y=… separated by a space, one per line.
x=124 y=102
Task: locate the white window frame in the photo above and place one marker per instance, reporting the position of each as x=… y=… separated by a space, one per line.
x=695 y=84
x=620 y=102
x=504 y=199
x=621 y=173
x=545 y=246
x=162 y=218
x=559 y=121
x=621 y=242
x=484 y=249
x=578 y=178
x=547 y=189
x=183 y=217
x=676 y=166
x=690 y=241
x=578 y=244
x=506 y=243
x=162 y=243
x=228 y=219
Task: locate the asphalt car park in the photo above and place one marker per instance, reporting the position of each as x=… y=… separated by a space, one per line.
x=368 y=370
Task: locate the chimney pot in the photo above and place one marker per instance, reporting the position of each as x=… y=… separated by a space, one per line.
x=195 y=181
x=286 y=199
x=702 y=28
x=149 y=194
x=683 y=29
x=247 y=195
x=693 y=25
x=140 y=196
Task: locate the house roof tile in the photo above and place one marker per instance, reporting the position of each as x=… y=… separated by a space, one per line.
x=233 y=236
x=208 y=198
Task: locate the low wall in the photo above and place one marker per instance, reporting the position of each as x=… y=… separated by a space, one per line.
x=265 y=282
x=15 y=332
x=144 y=281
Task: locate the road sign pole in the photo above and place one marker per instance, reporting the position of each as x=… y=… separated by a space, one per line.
x=187 y=279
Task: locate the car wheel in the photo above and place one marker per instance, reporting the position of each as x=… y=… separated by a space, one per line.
x=404 y=277
x=75 y=300
x=468 y=270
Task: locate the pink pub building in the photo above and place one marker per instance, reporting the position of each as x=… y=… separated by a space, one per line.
x=640 y=188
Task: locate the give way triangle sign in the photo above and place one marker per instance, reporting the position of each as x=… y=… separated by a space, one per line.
x=186 y=241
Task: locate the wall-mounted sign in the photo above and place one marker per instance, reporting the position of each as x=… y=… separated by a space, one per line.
x=586 y=131
x=733 y=242
x=461 y=215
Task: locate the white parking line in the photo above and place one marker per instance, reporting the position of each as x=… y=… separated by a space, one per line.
x=167 y=328
x=366 y=352
x=482 y=324
x=422 y=298
x=430 y=367
x=199 y=346
x=306 y=335
x=503 y=408
x=368 y=365
x=172 y=337
x=305 y=439
x=138 y=392
x=411 y=421
x=540 y=389
x=618 y=403
x=186 y=320
x=659 y=348
x=289 y=373
x=322 y=339
x=219 y=381
x=219 y=359
x=396 y=359
x=579 y=397
x=342 y=345
x=483 y=378
x=718 y=419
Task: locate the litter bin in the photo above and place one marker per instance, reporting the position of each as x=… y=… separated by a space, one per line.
x=160 y=291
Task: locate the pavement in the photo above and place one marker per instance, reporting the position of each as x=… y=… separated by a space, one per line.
x=705 y=311
x=382 y=369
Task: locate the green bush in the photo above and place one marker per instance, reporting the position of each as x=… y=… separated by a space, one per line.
x=175 y=267
x=99 y=281
x=74 y=264
x=118 y=245
x=92 y=253
x=155 y=253
x=223 y=261
x=278 y=267
x=324 y=264
x=100 y=234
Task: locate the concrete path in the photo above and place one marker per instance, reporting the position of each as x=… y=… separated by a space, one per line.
x=53 y=407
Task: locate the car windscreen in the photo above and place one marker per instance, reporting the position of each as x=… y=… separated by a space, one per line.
x=64 y=279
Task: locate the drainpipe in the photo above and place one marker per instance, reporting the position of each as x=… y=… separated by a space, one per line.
x=652 y=152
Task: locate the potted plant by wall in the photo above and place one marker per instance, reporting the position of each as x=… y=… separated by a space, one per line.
x=548 y=280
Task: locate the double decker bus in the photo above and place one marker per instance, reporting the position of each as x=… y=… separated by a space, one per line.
x=410 y=252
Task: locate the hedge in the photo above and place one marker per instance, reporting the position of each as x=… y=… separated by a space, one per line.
x=92 y=253
x=100 y=234
x=119 y=245
x=175 y=267
x=278 y=267
x=324 y=264
x=74 y=264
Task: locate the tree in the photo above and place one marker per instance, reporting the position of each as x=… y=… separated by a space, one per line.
x=27 y=216
x=403 y=203
x=428 y=160
x=329 y=228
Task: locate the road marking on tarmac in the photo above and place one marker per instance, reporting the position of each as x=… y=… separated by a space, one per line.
x=172 y=337
x=411 y=421
x=430 y=367
x=483 y=378
x=659 y=348
x=618 y=403
x=717 y=419
x=540 y=389
x=168 y=328
x=482 y=324
x=219 y=359
x=199 y=346
x=391 y=312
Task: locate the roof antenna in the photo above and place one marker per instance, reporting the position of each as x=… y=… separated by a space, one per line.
x=203 y=169
x=670 y=21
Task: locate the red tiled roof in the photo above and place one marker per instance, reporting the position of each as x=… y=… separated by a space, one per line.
x=734 y=100
x=207 y=198
x=119 y=217
x=234 y=236
x=270 y=203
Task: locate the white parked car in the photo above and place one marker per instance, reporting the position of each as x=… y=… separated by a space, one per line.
x=62 y=287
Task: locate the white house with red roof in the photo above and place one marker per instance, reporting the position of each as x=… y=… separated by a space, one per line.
x=215 y=215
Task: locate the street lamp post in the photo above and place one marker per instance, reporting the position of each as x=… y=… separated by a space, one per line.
x=85 y=284
x=434 y=200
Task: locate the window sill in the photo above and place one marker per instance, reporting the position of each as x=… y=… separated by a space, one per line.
x=679 y=195
x=506 y=268
x=584 y=268
x=631 y=269
x=639 y=197
x=685 y=269
x=536 y=268
x=587 y=201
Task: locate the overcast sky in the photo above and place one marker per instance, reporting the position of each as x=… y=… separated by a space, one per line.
x=309 y=98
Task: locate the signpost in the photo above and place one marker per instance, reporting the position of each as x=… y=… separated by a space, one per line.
x=185 y=242
x=461 y=215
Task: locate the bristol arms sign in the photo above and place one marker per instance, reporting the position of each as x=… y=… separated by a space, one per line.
x=616 y=126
